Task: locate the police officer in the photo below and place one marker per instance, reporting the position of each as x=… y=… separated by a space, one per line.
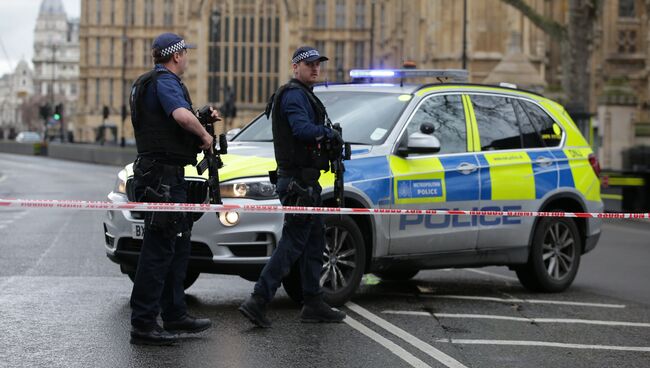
x=168 y=136
x=298 y=131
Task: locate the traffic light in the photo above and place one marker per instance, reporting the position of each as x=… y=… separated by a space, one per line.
x=44 y=111
x=58 y=112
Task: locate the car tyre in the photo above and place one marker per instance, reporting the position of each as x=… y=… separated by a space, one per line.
x=554 y=256
x=190 y=278
x=343 y=264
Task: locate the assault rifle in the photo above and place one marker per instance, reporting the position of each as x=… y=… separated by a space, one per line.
x=212 y=157
x=338 y=153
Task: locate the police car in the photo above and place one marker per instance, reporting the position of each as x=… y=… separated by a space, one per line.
x=426 y=146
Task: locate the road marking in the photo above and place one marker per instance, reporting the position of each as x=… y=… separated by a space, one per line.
x=394 y=348
x=545 y=344
x=423 y=346
x=481 y=272
x=521 y=319
x=530 y=301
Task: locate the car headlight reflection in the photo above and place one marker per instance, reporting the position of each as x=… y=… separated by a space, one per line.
x=120 y=183
x=254 y=188
x=229 y=218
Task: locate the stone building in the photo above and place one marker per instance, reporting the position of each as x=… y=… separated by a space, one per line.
x=15 y=89
x=56 y=58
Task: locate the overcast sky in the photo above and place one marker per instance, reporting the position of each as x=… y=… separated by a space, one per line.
x=17 y=29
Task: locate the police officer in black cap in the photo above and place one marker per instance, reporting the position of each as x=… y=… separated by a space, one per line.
x=298 y=131
x=168 y=137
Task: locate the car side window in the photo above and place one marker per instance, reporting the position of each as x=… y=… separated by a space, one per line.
x=529 y=134
x=447 y=115
x=497 y=122
x=550 y=132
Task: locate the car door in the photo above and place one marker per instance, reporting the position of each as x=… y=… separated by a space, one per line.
x=517 y=169
x=448 y=179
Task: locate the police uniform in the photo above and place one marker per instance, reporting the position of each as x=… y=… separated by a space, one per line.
x=298 y=123
x=164 y=149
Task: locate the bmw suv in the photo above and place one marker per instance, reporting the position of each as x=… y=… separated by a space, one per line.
x=414 y=146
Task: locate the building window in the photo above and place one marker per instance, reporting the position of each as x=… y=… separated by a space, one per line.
x=359 y=54
x=168 y=13
x=129 y=12
x=215 y=26
x=360 y=14
x=98 y=11
x=148 y=12
x=112 y=12
x=236 y=30
x=146 y=52
x=243 y=29
x=129 y=52
x=111 y=52
x=98 y=44
x=320 y=46
x=340 y=13
x=339 y=54
x=73 y=88
x=626 y=9
x=97 y=90
x=321 y=14
x=627 y=42
x=110 y=92
x=252 y=33
x=227 y=30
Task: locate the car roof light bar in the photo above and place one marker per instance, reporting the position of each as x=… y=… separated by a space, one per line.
x=456 y=75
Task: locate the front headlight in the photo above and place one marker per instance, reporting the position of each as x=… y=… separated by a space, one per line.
x=120 y=183
x=252 y=188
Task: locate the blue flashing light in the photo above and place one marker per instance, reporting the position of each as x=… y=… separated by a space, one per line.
x=458 y=75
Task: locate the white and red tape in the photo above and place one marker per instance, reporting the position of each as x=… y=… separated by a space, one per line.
x=190 y=207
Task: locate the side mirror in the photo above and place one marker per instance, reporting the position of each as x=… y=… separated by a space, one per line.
x=232 y=133
x=420 y=143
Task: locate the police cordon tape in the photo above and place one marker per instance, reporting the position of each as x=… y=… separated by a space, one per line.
x=200 y=207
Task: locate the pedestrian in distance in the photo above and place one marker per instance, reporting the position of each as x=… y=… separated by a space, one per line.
x=299 y=131
x=168 y=137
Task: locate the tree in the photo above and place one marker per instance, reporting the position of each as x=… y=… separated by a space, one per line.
x=575 y=41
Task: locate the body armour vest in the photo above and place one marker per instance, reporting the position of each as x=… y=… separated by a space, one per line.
x=157 y=134
x=291 y=153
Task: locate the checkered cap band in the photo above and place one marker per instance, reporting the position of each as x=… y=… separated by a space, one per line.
x=304 y=55
x=178 y=46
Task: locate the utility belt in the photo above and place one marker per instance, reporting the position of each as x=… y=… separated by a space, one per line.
x=303 y=190
x=152 y=182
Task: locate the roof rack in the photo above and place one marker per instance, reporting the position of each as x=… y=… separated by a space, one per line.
x=443 y=75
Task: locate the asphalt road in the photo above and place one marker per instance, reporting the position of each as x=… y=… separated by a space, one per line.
x=64 y=304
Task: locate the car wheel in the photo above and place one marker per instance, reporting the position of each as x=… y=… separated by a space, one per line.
x=344 y=262
x=397 y=274
x=190 y=278
x=554 y=256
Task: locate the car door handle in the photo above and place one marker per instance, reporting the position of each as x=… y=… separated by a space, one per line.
x=466 y=168
x=543 y=161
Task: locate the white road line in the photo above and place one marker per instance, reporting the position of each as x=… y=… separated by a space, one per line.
x=394 y=348
x=423 y=346
x=545 y=344
x=529 y=301
x=491 y=274
x=521 y=319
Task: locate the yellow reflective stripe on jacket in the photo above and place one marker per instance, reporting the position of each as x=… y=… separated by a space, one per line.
x=511 y=175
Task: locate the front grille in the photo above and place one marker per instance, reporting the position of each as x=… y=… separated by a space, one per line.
x=199 y=250
x=197 y=192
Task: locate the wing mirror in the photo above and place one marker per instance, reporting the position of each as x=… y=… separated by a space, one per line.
x=422 y=142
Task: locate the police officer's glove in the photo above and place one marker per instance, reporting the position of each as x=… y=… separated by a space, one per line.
x=335 y=138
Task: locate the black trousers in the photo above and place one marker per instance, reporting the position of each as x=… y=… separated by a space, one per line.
x=158 y=285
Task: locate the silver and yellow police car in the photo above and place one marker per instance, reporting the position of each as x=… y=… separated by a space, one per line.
x=414 y=146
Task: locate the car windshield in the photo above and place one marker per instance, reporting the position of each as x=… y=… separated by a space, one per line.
x=366 y=117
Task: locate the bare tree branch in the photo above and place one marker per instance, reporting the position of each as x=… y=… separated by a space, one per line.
x=549 y=26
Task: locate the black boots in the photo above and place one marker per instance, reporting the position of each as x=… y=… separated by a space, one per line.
x=316 y=310
x=254 y=308
x=187 y=324
x=155 y=336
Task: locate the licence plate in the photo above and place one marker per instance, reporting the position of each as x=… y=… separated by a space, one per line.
x=137 y=230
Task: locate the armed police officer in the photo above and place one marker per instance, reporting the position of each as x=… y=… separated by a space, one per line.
x=298 y=124
x=168 y=137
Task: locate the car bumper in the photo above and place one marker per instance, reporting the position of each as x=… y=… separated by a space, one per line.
x=242 y=249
